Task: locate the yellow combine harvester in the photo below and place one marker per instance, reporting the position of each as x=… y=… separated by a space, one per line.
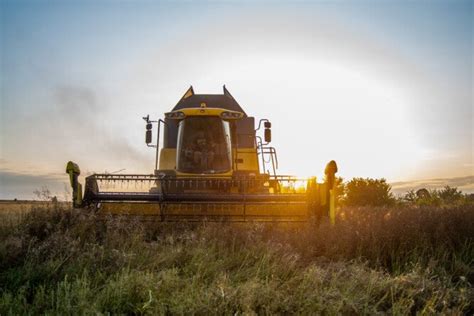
x=213 y=166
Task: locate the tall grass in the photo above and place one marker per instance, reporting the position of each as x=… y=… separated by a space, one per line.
x=400 y=260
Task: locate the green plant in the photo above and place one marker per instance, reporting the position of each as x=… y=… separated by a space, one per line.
x=368 y=192
x=443 y=197
x=449 y=194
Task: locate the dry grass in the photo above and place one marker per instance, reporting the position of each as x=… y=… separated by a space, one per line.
x=12 y=212
x=397 y=261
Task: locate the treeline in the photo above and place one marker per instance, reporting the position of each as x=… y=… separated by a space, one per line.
x=377 y=192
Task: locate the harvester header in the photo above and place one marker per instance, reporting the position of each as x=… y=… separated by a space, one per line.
x=214 y=165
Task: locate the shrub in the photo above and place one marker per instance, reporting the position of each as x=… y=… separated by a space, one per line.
x=449 y=194
x=443 y=197
x=368 y=192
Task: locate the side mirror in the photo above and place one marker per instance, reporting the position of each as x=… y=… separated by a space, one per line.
x=268 y=135
x=148 y=136
x=149 y=127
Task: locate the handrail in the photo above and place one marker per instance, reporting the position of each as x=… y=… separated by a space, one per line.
x=158 y=142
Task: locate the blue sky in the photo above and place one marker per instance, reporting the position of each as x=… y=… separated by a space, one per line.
x=383 y=87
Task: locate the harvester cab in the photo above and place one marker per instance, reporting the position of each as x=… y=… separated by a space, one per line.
x=213 y=165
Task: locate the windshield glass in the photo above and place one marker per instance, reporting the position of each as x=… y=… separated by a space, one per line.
x=203 y=145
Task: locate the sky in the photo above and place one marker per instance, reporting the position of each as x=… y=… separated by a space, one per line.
x=384 y=88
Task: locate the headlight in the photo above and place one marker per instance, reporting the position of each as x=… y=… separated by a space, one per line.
x=231 y=115
x=175 y=115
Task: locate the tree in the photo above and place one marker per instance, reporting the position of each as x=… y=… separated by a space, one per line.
x=449 y=195
x=373 y=192
x=43 y=194
x=446 y=196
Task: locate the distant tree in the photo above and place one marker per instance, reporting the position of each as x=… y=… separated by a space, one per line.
x=415 y=196
x=410 y=196
x=373 y=192
x=446 y=196
x=43 y=194
x=421 y=197
x=449 y=195
x=339 y=187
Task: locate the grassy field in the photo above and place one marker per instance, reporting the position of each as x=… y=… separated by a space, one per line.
x=400 y=260
x=13 y=212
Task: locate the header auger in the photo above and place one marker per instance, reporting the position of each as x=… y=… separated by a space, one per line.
x=213 y=166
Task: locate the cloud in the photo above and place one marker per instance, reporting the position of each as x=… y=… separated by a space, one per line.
x=76 y=100
x=465 y=184
x=85 y=120
x=21 y=186
x=81 y=124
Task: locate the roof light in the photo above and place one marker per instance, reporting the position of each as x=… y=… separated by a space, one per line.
x=231 y=115
x=175 y=115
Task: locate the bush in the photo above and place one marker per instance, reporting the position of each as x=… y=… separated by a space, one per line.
x=443 y=197
x=449 y=194
x=368 y=192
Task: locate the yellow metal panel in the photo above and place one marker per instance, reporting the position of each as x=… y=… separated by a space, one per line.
x=206 y=176
x=203 y=209
x=276 y=209
x=167 y=159
x=249 y=159
x=209 y=211
x=78 y=197
x=332 y=206
x=323 y=194
x=117 y=208
x=72 y=167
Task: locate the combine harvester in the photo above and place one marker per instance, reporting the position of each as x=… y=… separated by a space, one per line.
x=213 y=166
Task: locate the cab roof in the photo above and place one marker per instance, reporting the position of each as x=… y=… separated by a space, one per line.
x=223 y=101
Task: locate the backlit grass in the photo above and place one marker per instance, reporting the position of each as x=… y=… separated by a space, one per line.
x=400 y=260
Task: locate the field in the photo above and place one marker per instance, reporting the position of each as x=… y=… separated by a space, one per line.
x=399 y=260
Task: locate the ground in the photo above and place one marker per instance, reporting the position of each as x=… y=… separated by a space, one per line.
x=399 y=260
